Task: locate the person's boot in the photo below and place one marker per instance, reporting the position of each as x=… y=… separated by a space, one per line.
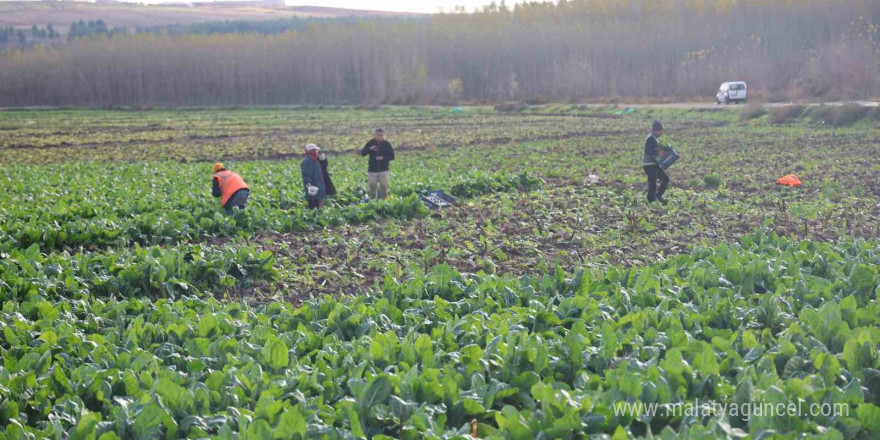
x=662 y=201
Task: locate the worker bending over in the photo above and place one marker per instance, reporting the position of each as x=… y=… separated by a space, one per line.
x=230 y=188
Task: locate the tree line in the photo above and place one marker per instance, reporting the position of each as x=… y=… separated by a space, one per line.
x=265 y=27
x=576 y=50
x=9 y=35
x=93 y=28
x=44 y=32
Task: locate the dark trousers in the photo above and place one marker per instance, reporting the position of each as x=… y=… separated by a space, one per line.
x=315 y=203
x=238 y=200
x=656 y=173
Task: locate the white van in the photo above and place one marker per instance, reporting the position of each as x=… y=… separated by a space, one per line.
x=731 y=92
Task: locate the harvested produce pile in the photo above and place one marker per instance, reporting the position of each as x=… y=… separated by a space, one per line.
x=541 y=306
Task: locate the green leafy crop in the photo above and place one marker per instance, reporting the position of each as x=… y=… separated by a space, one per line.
x=542 y=305
x=536 y=356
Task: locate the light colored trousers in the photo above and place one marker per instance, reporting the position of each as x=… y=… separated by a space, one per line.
x=378 y=184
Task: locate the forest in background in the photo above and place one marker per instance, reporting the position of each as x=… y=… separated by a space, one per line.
x=578 y=50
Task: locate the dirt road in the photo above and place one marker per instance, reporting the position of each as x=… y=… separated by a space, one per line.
x=690 y=105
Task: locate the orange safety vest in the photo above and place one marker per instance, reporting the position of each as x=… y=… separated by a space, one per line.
x=229 y=183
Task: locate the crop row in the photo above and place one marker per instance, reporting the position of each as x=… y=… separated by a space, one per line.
x=768 y=321
x=29 y=276
x=94 y=203
x=97 y=204
x=69 y=194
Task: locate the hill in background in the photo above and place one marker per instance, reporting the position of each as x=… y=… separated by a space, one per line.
x=62 y=14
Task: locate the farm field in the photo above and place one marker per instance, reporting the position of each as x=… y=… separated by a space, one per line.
x=536 y=307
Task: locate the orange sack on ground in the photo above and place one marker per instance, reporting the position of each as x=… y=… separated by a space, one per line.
x=789 y=180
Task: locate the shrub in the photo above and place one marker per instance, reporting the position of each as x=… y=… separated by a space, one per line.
x=788 y=113
x=539 y=100
x=711 y=181
x=839 y=116
x=752 y=111
x=849 y=114
x=507 y=107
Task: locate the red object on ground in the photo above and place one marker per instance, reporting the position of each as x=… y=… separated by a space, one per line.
x=789 y=180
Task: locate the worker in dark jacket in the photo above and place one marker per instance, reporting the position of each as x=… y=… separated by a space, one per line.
x=230 y=188
x=330 y=190
x=651 y=163
x=381 y=153
x=313 y=178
